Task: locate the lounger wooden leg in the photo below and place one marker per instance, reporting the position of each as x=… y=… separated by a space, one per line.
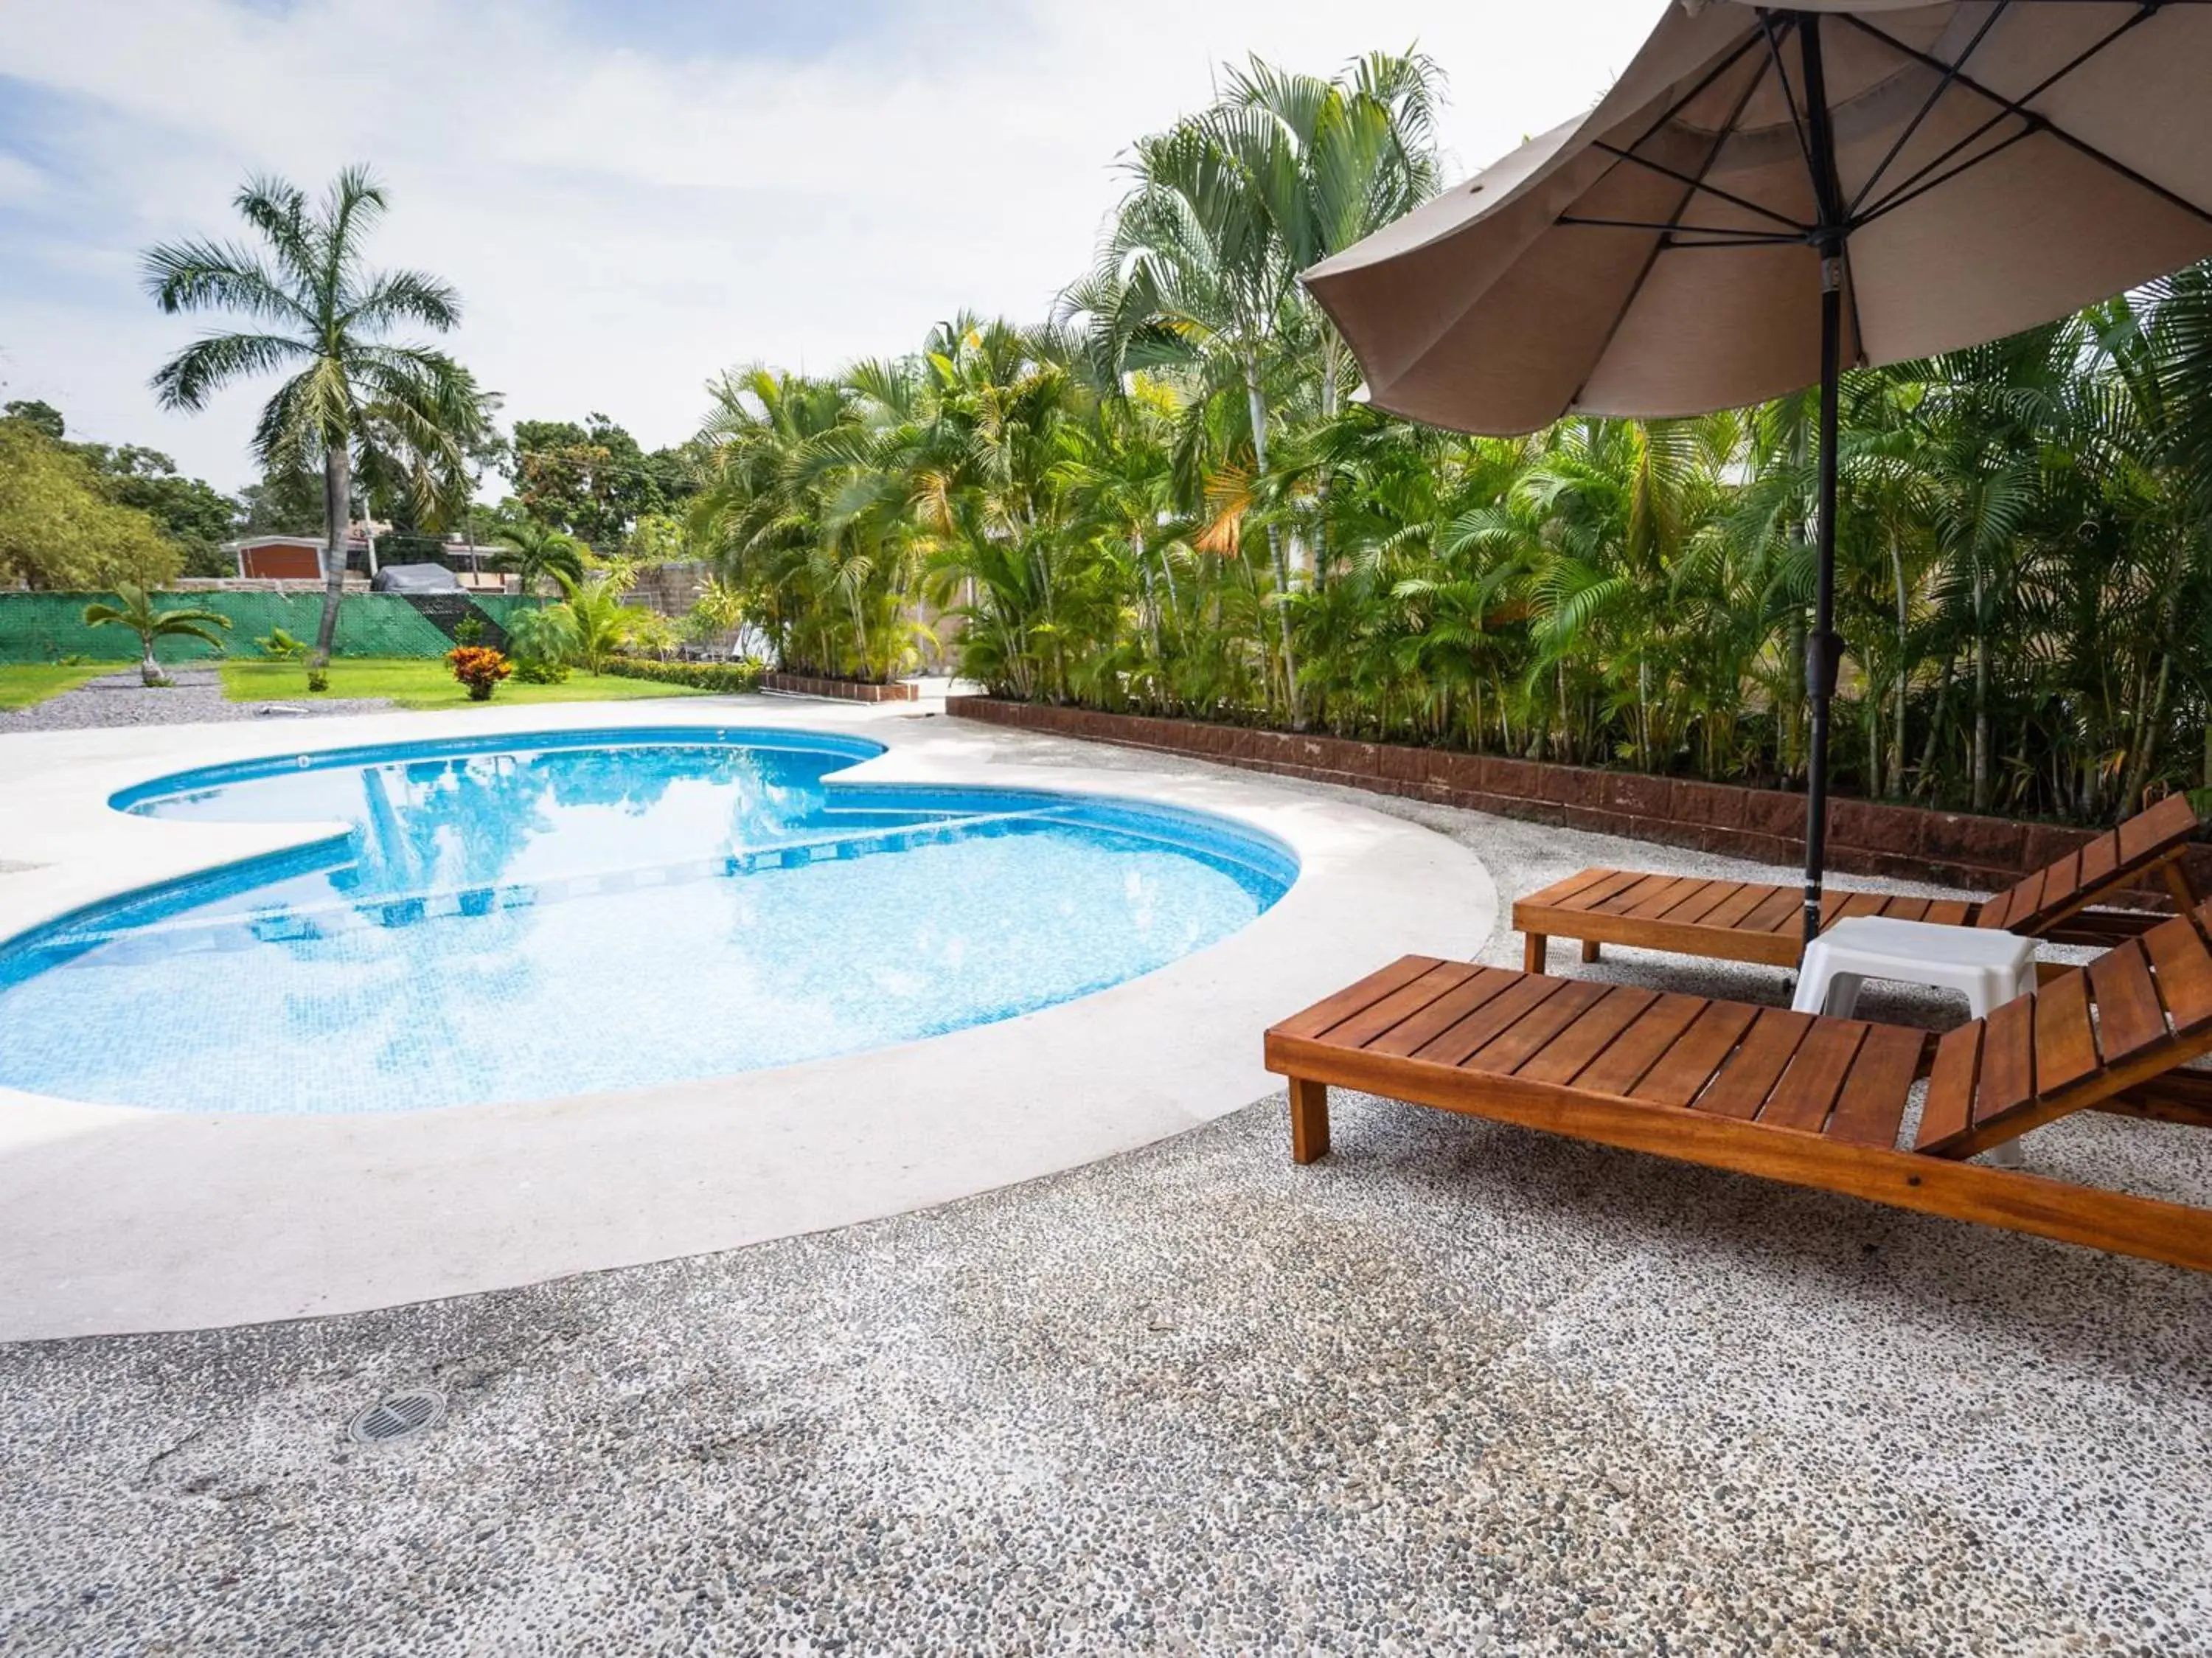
x=1308 y=1120
x=2178 y=883
x=1589 y=949
x=1532 y=952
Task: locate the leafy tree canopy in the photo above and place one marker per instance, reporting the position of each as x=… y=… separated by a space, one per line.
x=191 y=512
x=40 y=417
x=286 y=502
x=59 y=528
x=593 y=481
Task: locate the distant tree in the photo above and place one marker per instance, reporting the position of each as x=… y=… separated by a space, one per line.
x=58 y=526
x=191 y=512
x=137 y=614
x=594 y=480
x=677 y=472
x=286 y=502
x=38 y=417
x=657 y=538
x=356 y=399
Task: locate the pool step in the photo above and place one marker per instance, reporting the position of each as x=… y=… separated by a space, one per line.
x=305 y=923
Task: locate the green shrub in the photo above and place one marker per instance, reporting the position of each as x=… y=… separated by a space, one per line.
x=533 y=670
x=480 y=668
x=279 y=646
x=725 y=677
x=544 y=636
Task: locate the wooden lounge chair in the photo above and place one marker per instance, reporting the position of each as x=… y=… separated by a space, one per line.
x=1755 y=921
x=1809 y=1100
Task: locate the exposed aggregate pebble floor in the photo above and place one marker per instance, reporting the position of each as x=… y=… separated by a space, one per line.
x=1459 y=1388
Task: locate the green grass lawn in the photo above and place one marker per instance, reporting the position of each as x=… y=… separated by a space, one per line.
x=414 y=684
x=23 y=684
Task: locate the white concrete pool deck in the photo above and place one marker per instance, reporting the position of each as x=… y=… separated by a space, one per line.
x=118 y=1219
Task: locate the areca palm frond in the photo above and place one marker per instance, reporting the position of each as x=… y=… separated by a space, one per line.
x=1163 y=500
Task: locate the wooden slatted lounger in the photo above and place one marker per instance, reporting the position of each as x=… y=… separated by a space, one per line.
x=1809 y=1100
x=1755 y=921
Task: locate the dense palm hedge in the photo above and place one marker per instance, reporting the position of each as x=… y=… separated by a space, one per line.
x=1167 y=499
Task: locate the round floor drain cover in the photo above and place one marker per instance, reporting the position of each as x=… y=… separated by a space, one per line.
x=399 y=1415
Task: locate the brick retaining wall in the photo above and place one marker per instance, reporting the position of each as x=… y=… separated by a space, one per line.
x=853 y=691
x=1767 y=824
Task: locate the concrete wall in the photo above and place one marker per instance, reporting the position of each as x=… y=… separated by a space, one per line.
x=671 y=589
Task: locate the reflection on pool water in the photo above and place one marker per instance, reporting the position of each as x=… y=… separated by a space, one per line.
x=521 y=917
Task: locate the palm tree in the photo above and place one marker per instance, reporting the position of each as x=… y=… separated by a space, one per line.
x=761 y=511
x=1193 y=274
x=1201 y=265
x=137 y=614
x=355 y=397
x=601 y=622
x=538 y=553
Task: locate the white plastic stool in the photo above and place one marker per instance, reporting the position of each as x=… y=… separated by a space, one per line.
x=1991 y=967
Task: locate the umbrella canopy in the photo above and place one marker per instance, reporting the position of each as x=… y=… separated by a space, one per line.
x=1998 y=163
x=1769 y=194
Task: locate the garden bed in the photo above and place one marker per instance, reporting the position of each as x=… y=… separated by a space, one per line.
x=1871 y=837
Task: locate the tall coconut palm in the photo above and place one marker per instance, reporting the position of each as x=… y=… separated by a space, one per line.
x=355 y=397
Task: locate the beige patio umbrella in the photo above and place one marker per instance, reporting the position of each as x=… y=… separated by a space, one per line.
x=1769 y=194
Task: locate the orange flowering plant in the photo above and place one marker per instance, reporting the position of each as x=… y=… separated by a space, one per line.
x=479 y=667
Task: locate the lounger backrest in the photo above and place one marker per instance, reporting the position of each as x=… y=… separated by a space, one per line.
x=2053 y=893
x=2041 y=1056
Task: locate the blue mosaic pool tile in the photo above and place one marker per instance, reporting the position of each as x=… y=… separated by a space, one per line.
x=492 y=915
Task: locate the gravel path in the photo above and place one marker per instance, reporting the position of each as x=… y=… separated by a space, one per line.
x=196 y=696
x=1457 y=1389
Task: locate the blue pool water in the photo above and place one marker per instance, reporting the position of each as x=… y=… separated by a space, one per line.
x=509 y=918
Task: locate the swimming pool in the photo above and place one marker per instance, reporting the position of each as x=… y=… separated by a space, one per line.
x=526 y=917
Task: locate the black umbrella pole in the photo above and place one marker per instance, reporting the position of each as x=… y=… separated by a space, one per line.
x=1823 y=650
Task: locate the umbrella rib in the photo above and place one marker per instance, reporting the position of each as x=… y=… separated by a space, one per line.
x=2043 y=123
x=1691 y=96
x=1900 y=191
x=1733 y=241
x=1665 y=237
x=1903 y=196
x=1782 y=79
x=1935 y=96
x=2004 y=108
x=1696 y=182
x=1675 y=227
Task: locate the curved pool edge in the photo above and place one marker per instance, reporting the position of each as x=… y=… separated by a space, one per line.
x=126 y=1219
x=52 y=942
x=548 y=739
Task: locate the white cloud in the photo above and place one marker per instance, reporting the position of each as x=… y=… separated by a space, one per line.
x=622 y=223
x=19 y=181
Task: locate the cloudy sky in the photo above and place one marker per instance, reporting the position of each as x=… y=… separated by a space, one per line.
x=631 y=196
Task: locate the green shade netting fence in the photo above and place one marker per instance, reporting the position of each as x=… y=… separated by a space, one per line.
x=44 y=627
